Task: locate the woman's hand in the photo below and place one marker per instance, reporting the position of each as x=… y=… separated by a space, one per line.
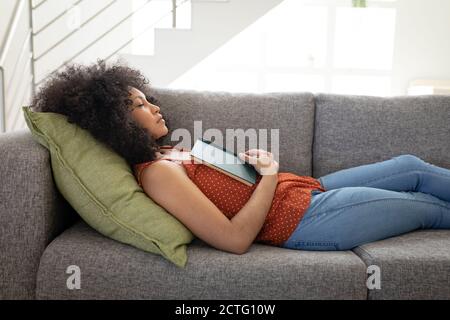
x=262 y=161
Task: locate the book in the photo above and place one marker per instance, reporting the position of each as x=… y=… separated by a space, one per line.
x=223 y=160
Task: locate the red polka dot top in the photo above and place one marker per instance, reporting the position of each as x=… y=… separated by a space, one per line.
x=291 y=199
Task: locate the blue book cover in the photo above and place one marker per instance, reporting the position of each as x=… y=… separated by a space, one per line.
x=227 y=162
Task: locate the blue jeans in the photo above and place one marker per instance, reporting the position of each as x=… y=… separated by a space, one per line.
x=373 y=202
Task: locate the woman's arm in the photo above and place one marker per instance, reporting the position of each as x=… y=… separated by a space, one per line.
x=167 y=184
x=250 y=219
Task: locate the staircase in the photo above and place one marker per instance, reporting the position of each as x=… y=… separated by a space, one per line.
x=213 y=24
x=39 y=37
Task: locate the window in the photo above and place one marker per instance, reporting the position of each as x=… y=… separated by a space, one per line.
x=306 y=45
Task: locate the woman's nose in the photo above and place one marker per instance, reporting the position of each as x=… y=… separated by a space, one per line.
x=155 y=108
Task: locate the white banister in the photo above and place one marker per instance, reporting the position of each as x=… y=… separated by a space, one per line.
x=16 y=73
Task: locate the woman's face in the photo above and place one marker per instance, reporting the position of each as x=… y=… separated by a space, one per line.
x=147 y=114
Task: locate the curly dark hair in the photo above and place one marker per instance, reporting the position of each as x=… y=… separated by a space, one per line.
x=96 y=98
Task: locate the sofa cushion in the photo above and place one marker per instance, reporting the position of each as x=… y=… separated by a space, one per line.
x=101 y=187
x=290 y=113
x=412 y=266
x=357 y=130
x=111 y=270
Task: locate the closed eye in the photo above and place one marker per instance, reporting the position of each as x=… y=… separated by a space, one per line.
x=153 y=100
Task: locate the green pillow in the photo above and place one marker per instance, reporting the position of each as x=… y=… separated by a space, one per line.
x=101 y=187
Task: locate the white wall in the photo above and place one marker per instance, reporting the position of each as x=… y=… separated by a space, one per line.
x=213 y=24
x=422 y=42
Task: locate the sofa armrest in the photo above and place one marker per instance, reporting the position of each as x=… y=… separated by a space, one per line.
x=32 y=212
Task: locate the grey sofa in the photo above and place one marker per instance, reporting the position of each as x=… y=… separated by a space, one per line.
x=41 y=235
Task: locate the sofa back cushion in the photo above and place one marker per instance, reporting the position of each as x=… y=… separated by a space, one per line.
x=357 y=130
x=291 y=113
x=101 y=187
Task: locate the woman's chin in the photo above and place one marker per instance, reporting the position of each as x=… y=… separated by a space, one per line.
x=162 y=133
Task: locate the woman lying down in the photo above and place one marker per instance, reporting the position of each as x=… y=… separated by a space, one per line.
x=338 y=211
